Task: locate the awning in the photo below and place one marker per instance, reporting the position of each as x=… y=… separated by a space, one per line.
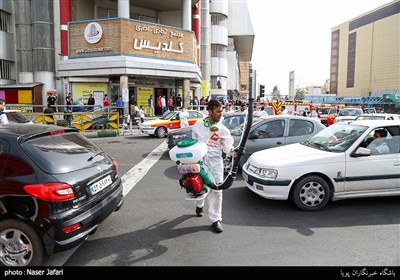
x=20 y=85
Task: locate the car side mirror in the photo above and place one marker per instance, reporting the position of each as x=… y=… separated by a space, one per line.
x=253 y=136
x=362 y=152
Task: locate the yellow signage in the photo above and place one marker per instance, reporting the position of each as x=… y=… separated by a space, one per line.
x=143 y=95
x=81 y=91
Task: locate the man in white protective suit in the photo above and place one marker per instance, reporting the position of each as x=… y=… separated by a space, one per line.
x=218 y=138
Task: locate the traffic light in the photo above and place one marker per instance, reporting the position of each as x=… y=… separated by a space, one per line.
x=262 y=90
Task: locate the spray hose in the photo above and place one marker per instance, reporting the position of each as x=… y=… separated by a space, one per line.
x=240 y=149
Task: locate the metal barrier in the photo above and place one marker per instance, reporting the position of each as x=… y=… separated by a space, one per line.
x=83 y=121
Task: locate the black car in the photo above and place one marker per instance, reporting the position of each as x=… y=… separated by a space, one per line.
x=56 y=188
x=230 y=121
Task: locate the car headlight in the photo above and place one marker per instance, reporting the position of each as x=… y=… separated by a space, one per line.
x=263 y=172
x=180 y=136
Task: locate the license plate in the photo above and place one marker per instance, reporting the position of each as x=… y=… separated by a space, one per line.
x=100 y=185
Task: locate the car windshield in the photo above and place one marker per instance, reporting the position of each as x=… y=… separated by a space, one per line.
x=336 y=138
x=168 y=116
x=350 y=112
x=237 y=131
x=324 y=111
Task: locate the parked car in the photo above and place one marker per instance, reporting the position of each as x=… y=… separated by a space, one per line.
x=56 y=188
x=335 y=164
x=161 y=126
x=230 y=121
x=15 y=116
x=273 y=131
x=380 y=116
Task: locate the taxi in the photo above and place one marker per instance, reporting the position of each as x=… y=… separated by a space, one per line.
x=161 y=126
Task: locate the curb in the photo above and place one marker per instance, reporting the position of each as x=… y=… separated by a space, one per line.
x=99 y=134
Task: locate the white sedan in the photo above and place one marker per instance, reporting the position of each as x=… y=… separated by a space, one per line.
x=337 y=163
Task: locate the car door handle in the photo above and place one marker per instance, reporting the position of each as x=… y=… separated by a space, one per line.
x=396 y=164
x=279 y=143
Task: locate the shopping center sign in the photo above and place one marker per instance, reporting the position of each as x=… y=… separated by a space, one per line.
x=130 y=37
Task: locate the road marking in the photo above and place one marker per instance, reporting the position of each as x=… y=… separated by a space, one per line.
x=129 y=180
x=136 y=173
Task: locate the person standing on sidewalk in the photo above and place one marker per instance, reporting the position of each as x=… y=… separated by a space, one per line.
x=150 y=102
x=141 y=114
x=218 y=138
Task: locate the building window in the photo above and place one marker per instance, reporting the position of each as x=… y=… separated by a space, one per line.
x=7 y=70
x=375 y=16
x=220 y=20
x=218 y=51
x=5 y=22
x=351 y=60
x=335 y=38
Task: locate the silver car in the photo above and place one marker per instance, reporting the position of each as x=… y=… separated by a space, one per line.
x=274 y=131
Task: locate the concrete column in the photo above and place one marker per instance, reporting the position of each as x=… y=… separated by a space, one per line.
x=186 y=93
x=23 y=34
x=186 y=14
x=65 y=17
x=205 y=44
x=123 y=8
x=123 y=85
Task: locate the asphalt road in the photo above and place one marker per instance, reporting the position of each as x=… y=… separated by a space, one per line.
x=158 y=227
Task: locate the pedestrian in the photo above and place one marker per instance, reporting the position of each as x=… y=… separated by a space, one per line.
x=3 y=116
x=218 y=138
x=150 y=103
x=132 y=105
x=135 y=112
x=183 y=116
x=141 y=114
x=52 y=99
x=178 y=101
x=170 y=102
x=159 y=106
x=284 y=111
x=106 y=103
x=163 y=105
x=120 y=106
x=68 y=109
x=49 y=112
x=90 y=103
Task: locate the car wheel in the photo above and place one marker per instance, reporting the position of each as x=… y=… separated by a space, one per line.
x=161 y=132
x=20 y=244
x=311 y=193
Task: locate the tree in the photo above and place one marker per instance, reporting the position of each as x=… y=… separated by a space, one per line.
x=276 y=94
x=300 y=92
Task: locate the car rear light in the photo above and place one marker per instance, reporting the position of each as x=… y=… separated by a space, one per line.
x=115 y=163
x=51 y=191
x=71 y=228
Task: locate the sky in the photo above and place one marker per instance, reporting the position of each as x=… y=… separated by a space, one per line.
x=295 y=35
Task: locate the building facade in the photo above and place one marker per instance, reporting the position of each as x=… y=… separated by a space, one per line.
x=365 y=55
x=129 y=48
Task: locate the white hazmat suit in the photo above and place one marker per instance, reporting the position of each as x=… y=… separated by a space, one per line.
x=216 y=141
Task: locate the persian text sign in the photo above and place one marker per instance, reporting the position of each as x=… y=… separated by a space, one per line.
x=122 y=36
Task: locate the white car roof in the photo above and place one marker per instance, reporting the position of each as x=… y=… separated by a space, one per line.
x=379 y=114
x=374 y=123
